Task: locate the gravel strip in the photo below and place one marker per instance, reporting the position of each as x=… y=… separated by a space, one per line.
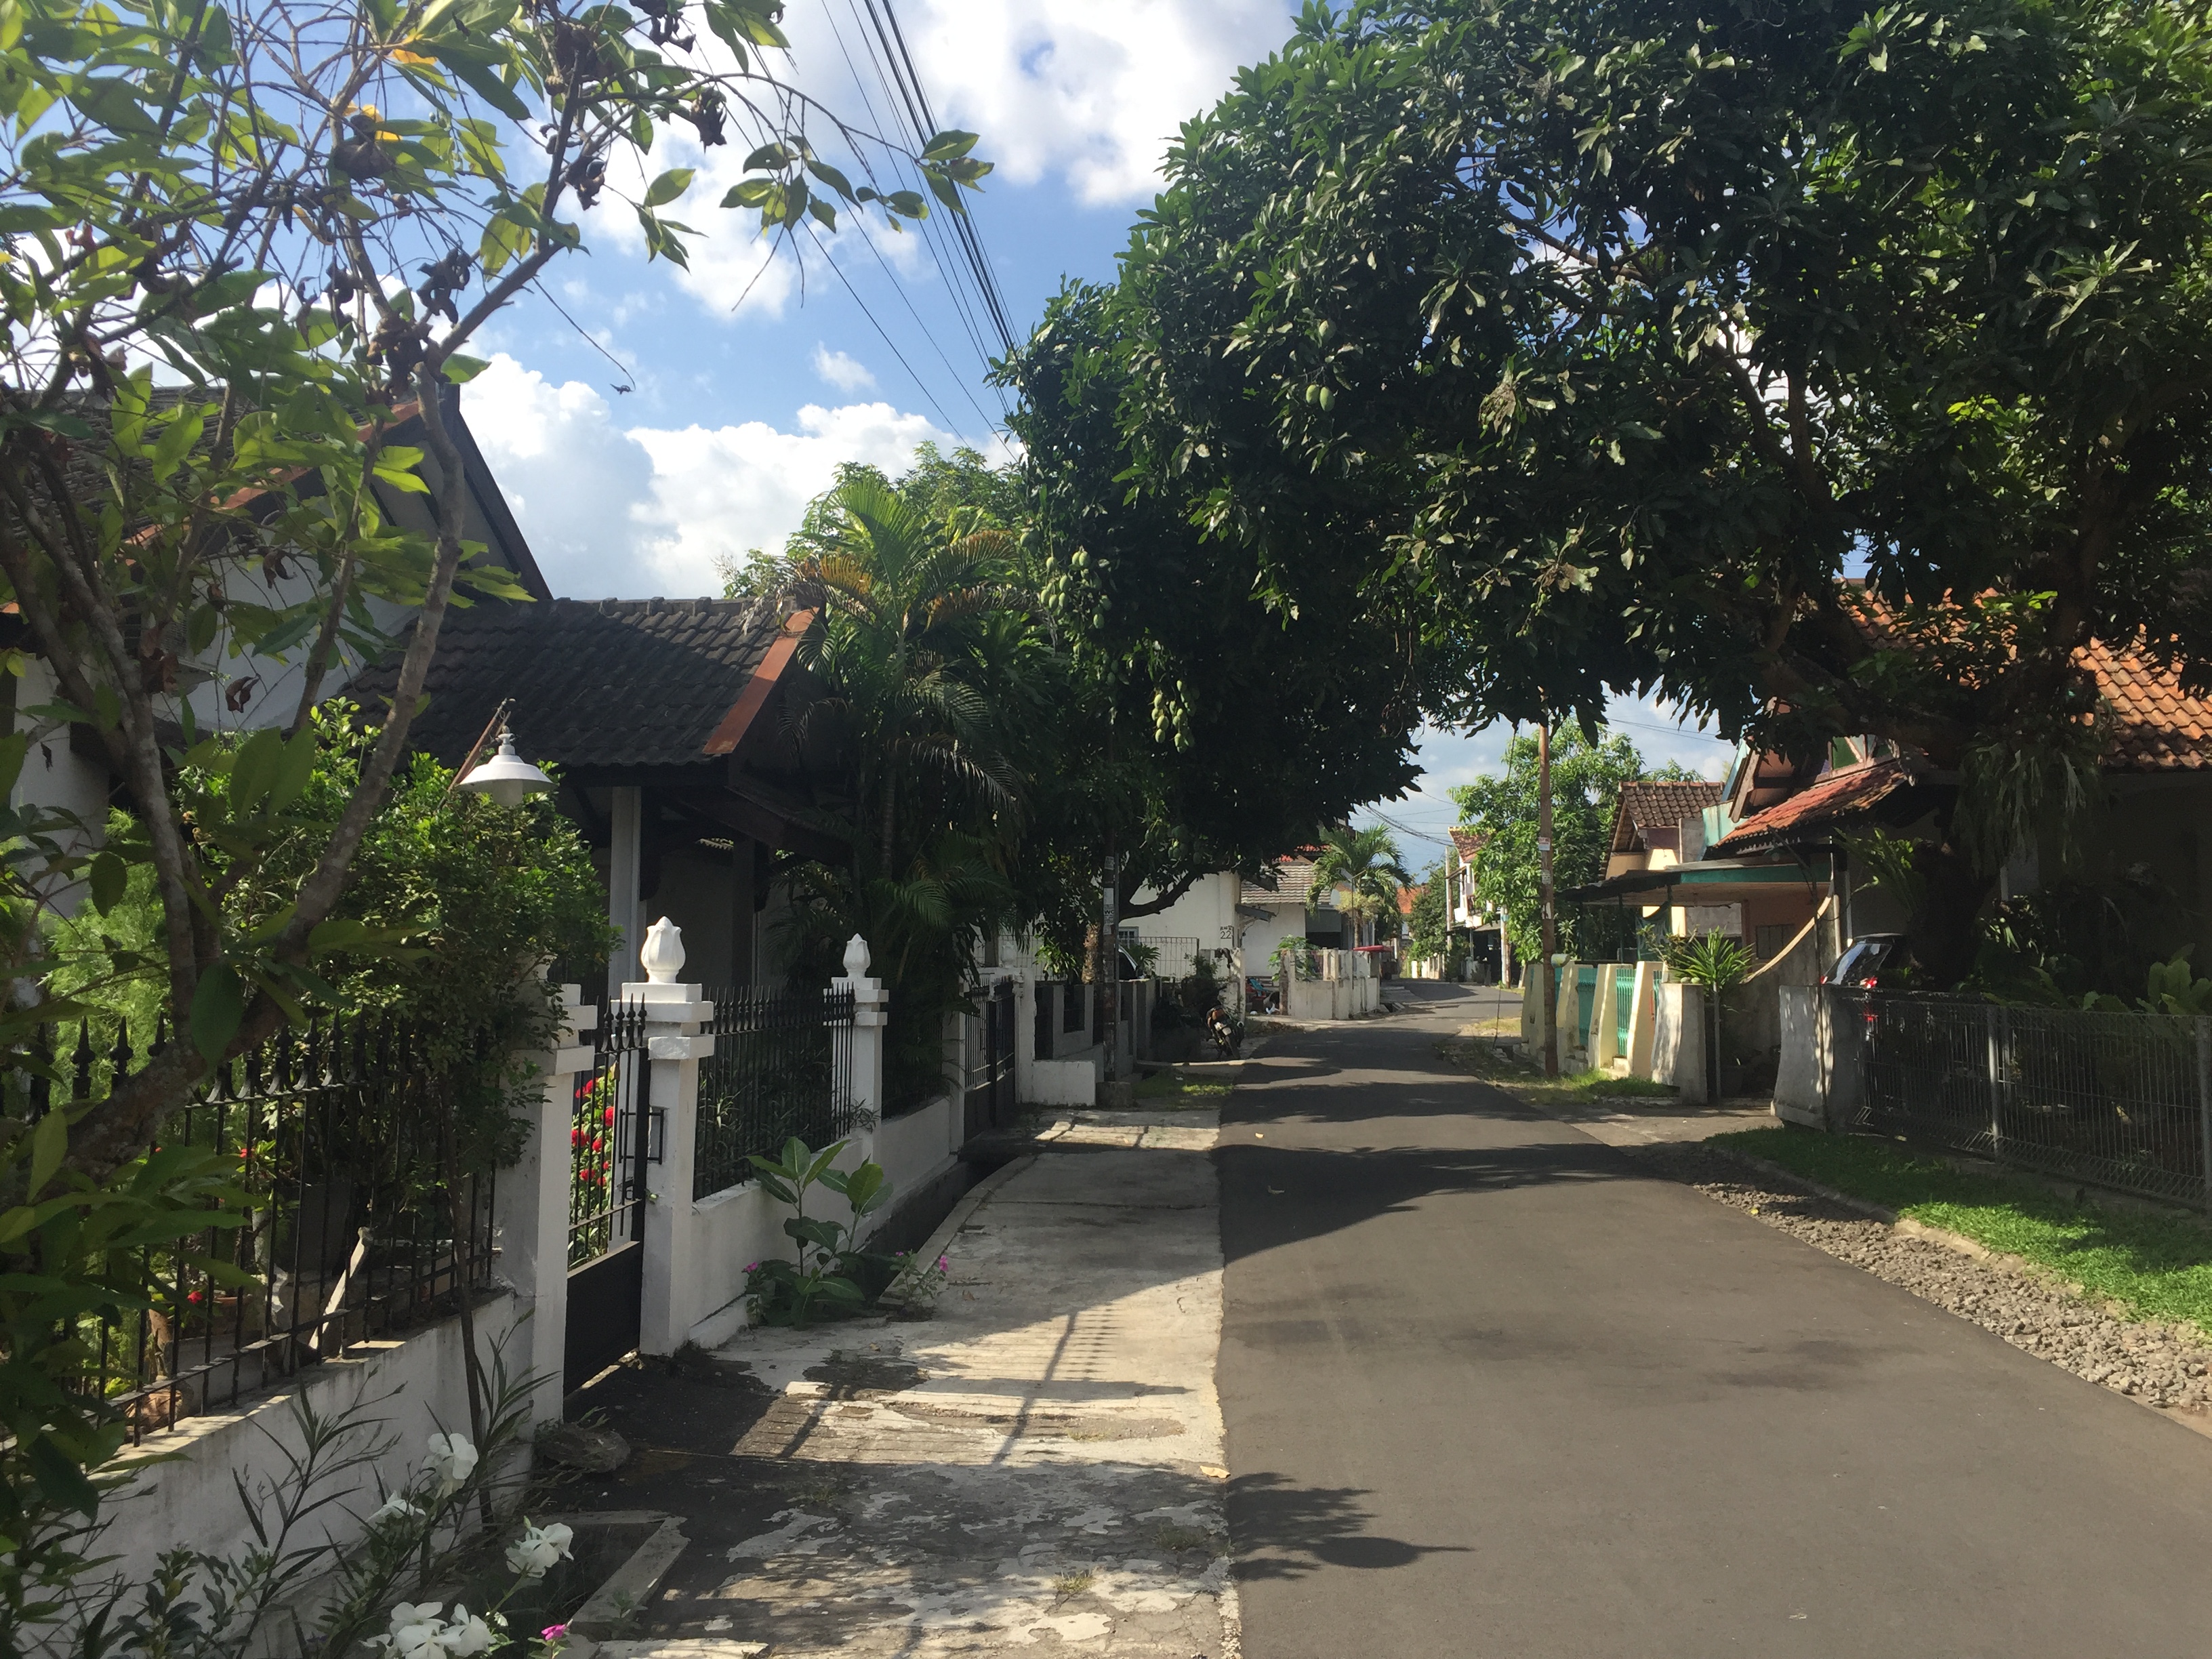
x=2166 y=1366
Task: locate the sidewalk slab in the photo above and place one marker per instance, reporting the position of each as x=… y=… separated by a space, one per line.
x=1037 y=1465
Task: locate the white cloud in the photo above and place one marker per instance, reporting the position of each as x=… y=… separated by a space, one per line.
x=847 y=373
x=568 y=473
x=723 y=489
x=629 y=512
x=1089 y=93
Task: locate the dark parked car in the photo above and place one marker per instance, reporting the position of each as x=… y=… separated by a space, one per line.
x=1861 y=960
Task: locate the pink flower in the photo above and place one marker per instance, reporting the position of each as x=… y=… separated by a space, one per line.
x=554 y=1632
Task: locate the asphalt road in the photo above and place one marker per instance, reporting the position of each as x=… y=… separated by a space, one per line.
x=1490 y=1391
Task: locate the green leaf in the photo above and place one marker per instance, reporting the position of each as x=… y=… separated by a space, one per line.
x=831 y=177
x=13 y=748
x=949 y=145
x=109 y=876
x=218 y=1005
x=251 y=772
x=748 y=192
x=461 y=370
x=473 y=65
x=49 y=1145
x=670 y=186
x=288 y=774
x=59 y=1478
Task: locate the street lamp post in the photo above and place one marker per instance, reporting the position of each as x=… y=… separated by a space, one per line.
x=1544 y=885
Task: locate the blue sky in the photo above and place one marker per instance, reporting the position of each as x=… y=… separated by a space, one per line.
x=749 y=384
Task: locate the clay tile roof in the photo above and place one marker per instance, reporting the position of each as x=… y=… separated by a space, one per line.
x=1407 y=897
x=1293 y=880
x=609 y=682
x=1467 y=843
x=1662 y=804
x=2154 y=725
x=1835 y=798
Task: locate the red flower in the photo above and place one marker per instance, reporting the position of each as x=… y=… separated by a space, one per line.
x=611 y=1116
x=575 y=1137
x=598 y=1144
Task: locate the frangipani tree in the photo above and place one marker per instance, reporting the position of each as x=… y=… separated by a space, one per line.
x=238 y=245
x=242 y=243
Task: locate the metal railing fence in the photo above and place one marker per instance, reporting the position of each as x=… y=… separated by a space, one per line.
x=613 y=1132
x=350 y=1235
x=1172 y=954
x=1042 y=1034
x=783 y=1066
x=2124 y=1100
x=987 y=1061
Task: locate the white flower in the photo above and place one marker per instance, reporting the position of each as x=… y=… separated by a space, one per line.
x=395 y=1508
x=452 y=1459
x=415 y=1630
x=534 y=1554
x=467 y=1634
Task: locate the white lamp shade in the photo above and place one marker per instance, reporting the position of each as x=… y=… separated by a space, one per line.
x=507 y=777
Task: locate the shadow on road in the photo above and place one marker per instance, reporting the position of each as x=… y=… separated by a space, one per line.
x=1283 y=1531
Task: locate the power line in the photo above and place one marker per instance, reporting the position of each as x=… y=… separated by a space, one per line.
x=924 y=122
x=947 y=269
x=919 y=384
x=964 y=224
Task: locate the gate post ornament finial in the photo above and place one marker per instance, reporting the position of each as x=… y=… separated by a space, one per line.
x=661 y=955
x=856 y=958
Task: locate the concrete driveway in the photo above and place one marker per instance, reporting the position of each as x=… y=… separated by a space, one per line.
x=1491 y=1389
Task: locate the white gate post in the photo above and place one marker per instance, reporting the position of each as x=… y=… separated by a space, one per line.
x=530 y=1207
x=674 y=1046
x=870 y=1012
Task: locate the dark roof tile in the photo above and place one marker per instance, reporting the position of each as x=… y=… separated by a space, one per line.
x=607 y=683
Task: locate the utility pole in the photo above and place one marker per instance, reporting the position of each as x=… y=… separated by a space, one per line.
x=1109 y=988
x=1544 y=884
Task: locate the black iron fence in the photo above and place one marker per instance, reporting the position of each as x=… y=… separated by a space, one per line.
x=611 y=1136
x=783 y=1066
x=1043 y=1031
x=988 y=1095
x=2124 y=1100
x=352 y=1233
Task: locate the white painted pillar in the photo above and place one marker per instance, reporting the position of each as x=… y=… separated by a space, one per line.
x=674 y=1012
x=531 y=1206
x=1602 y=1015
x=1642 y=1021
x=870 y=1013
x=625 y=862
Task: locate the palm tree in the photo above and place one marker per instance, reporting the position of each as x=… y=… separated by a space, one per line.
x=929 y=655
x=1367 y=864
x=903 y=601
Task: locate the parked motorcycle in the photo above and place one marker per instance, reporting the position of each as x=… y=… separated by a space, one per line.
x=1227 y=1038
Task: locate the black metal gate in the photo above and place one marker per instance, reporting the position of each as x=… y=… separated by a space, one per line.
x=610 y=1142
x=990 y=1095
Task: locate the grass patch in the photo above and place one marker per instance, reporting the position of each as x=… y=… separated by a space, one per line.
x=2156 y=1266
x=1177 y=1089
x=1603 y=1085
x=1073 y=1583
x=1486 y=1060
